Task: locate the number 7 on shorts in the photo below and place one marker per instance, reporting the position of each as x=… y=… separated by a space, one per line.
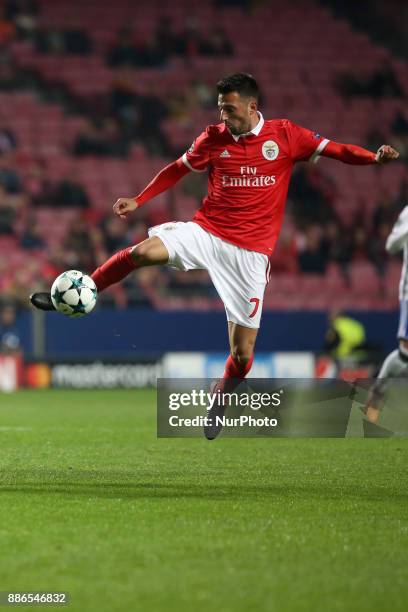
x=254 y=301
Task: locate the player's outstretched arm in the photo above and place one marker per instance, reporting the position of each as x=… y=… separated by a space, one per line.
x=165 y=179
x=358 y=156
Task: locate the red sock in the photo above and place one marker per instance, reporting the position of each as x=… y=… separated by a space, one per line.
x=235 y=372
x=114 y=270
x=234 y=369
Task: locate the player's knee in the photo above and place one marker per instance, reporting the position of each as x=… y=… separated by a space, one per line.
x=241 y=359
x=150 y=252
x=141 y=253
x=242 y=354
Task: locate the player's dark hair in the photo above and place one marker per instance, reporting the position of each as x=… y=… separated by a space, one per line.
x=242 y=83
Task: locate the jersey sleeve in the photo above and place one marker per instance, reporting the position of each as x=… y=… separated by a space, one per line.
x=197 y=157
x=304 y=144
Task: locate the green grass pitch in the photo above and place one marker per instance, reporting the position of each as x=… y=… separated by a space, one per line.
x=94 y=504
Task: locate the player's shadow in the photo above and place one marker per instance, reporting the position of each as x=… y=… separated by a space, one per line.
x=101 y=484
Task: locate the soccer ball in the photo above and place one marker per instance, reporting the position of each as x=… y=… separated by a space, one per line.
x=74 y=293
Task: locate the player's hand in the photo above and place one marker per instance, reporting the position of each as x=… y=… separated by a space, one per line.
x=124 y=206
x=386 y=154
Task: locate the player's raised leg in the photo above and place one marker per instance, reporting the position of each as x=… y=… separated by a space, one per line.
x=242 y=343
x=150 y=252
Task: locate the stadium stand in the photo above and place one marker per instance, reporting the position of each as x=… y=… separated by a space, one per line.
x=69 y=111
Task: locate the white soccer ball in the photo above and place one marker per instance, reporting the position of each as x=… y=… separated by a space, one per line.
x=74 y=293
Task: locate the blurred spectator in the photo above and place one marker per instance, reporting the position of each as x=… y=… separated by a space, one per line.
x=203 y=94
x=9 y=178
x=123 y=50
x=24 y=14
x=399 y=129
x=8 y=141
x=152 y=111
x=130 y=49
x=9 y=333
x=376 y=250
x=187 y=41
x=102 y=140
x=312 y=254
x=7 y=217
x=124 y=99
x=78 y=245
x=359 y=244
x=385 y=211
x=71 y=40
x=382 y=83
x=117 y=145
x=7 y=32
x=11 y=77
x=38 y=185
x=180 y=108
x=49 y=40
x=8 y=212
x=58 y=260
x=31 y=238
x=137 y=231
x=192 y=285
x=402 y=198
x=370 y=247
x=311 y=194
x=156 y=56
x=139 y=117
x=285 y=260
x=68 y=192
x=140 y=287
x=374 y=138
x=76 y=41
x=338 y=245
x=348 y=84
x=114 y=236
x=215 y=43
x=11 y=8
x=24 y=277
x=164 y=37
x=400 y=123
x=77 y=236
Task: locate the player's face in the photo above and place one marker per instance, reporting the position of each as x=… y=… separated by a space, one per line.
x=237 y=112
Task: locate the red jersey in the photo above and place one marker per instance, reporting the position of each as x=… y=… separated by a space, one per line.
x=249 y=178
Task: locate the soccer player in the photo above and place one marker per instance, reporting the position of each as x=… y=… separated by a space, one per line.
x=249 y=162
x=396 y=363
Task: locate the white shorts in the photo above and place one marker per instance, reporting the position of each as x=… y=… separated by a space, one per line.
x=239 y=276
